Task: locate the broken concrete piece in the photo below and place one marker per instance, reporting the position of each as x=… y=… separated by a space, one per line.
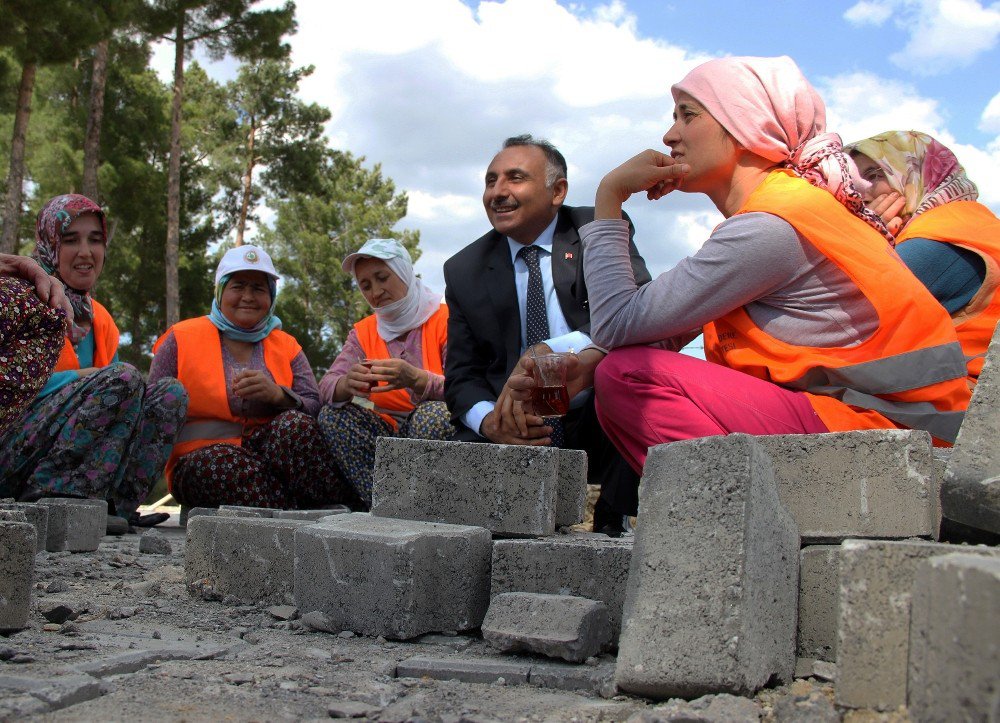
x=819 y=590
x=75 y=525
x=465 y=670
x=559 y=626
x=17 y=569
x=582 y=564
x=876 y=579
x=37 y=515
x=154 y=543
x=876 y=483
x=955 y=639
x=251 y=559
x=396 y=578
x=509 y=490
x=713 y=584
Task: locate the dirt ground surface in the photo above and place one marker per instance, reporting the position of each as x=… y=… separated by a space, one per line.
x=138 y=645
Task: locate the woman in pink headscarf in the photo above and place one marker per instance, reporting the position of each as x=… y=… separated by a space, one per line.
x=811 y=323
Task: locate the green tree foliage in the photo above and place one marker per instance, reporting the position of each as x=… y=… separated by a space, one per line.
x=318 y=303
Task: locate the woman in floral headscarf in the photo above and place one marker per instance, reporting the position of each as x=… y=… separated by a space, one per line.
x=393 y=359
x=96 y=429
x=810 y=322
x=949 y=240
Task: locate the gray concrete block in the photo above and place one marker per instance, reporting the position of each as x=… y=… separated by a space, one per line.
x=878 y=483
x=17 y=569
x=582 y=564
x=571 y=493
x=308 y=515
x=396 y=578
x=37 y=515
x=597 y=679
x=67 y=690
x=239 y=511
x=75 y=525
x=954 y=661
x=876 y=579
x=965 y=497
x=713 y=585
x=558 y=626
x=154 y=543
x=819 y=587
x=250 y=558
x=464 y=670
x=508 y=489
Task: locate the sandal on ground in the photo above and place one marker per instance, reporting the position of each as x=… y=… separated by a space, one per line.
x=150 y=520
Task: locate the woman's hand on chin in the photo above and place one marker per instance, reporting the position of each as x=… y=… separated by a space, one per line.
x=651 y=171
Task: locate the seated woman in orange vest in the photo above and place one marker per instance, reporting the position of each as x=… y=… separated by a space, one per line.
x=250 y=437
x=811 y=323
x=96 y=429
x=947 y=239
x=31 y=333
x=394 y=358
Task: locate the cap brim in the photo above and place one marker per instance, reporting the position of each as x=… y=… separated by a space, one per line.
x=350 y=259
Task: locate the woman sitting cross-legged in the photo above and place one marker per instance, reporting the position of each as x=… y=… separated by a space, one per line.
x=395 y=358
x=811 y=322
x=250 y=437
x=96 y=429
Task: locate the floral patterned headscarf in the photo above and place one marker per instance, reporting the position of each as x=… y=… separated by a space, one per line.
x=53 y=221
x=924 y=172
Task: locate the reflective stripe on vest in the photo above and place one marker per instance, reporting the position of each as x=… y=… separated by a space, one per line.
x=973 y=227
x=434 y=334
x=910 y=371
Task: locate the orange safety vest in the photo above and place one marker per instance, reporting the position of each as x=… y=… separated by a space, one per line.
x=200 y=371
x=909 y=373
x=105 y=342
x=434 y=333
x=971 y=226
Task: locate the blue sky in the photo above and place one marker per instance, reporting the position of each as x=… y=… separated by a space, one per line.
x=430 y=89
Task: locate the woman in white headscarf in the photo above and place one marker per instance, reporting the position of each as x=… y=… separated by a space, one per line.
x=393 y=358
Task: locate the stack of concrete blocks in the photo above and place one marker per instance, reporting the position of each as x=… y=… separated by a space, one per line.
x=711 y=599
x=74 y=525
x=421 y=561
x=970 y=493
x=37 y=515
x=18 y=542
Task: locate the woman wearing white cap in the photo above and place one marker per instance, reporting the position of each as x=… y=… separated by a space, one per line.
x=250 y=437
x=395 y=358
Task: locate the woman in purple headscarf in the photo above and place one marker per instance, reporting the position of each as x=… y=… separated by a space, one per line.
x=94 y=430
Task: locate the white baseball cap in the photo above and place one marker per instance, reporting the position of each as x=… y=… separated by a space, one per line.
x=245 y=258
x=377 y=248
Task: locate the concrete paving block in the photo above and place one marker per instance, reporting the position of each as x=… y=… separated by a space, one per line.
x=37 y=515
x=250 y=558
x=583 y=564
x=308 y=515
x=558 y=626
x=599 y=679
x=68 y=690
x=466 y=670
x=876 y=580
x=75 y=525
x=17 y=570
x=819 y=585
x=713 y=585
x=954 y=661
x=508 y=489
x=239 y=511
x=571 y=494
x=396 y=578
x=877 y=483
x=965 y=497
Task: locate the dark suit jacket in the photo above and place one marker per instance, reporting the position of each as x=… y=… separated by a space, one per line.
x=484 y=325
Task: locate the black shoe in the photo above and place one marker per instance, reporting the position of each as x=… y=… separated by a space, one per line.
x=607 y=521
x=150 y=520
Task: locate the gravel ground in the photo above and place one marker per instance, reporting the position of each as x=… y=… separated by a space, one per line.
x=136 y=644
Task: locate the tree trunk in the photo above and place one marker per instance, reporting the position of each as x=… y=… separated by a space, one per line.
x=247 y=183
x=15 y=178
x=174 y=181
x=92 y=143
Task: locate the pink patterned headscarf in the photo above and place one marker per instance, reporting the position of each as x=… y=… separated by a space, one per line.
x=922 y=170
x=770 y=108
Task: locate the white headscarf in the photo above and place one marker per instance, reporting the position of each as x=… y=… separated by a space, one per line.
x=419 y=303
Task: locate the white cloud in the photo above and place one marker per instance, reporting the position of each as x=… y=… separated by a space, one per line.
x=989 y=121
x=859 y=105
x=942 y=34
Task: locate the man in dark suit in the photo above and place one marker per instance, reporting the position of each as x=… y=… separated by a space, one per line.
x=488 y=285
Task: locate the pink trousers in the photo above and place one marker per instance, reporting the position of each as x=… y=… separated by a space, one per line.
x=648 y=396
